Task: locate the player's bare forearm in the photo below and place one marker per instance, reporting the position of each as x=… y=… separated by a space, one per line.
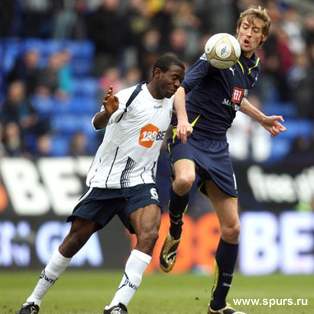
x=111 y=104
x=101 y=120
x=184 y=128
x=269 y=123
x=247 y=108
x=179 y=104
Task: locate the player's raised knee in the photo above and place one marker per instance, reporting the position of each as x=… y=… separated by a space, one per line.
x=183 y=183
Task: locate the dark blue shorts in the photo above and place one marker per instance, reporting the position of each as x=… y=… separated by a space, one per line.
x=101 y=205
x=211 y=158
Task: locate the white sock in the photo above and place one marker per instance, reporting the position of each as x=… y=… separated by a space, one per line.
x=134 y=269
x=55 y=267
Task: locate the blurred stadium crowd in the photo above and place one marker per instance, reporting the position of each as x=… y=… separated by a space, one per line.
x=58 y=58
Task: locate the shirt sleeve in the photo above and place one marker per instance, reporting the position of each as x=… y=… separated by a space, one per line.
x=196 y=73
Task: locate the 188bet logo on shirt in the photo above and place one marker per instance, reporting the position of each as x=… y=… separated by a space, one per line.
x=149 y=134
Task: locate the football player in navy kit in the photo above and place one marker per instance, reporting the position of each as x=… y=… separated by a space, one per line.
x=213 y=97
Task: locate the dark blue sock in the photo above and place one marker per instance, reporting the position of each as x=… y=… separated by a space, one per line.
x=226 y=257
x=177 y=207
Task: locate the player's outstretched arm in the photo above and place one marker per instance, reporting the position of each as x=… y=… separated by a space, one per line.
x=111 y=104
x=184 y=128
x=270 y=123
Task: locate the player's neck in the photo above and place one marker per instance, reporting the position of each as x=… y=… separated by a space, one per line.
x=248 y=54
x=152 y=90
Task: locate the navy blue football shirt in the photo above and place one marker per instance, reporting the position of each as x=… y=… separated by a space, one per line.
x=213 y=96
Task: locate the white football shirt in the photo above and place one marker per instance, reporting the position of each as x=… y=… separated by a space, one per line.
x=130 y=148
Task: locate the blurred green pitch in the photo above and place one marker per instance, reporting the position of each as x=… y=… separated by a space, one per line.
x=87 y=292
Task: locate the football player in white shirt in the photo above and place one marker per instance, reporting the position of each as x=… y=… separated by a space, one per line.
x=121 y=180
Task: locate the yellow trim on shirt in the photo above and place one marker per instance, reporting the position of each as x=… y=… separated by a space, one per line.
x=174 y=131
x=250 y=69
x=241 y=66
x=256 y=64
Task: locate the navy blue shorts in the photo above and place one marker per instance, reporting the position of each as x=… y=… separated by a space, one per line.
x=101 y=205
x=211 y=158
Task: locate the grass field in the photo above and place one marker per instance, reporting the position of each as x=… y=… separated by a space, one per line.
x=86 y=292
